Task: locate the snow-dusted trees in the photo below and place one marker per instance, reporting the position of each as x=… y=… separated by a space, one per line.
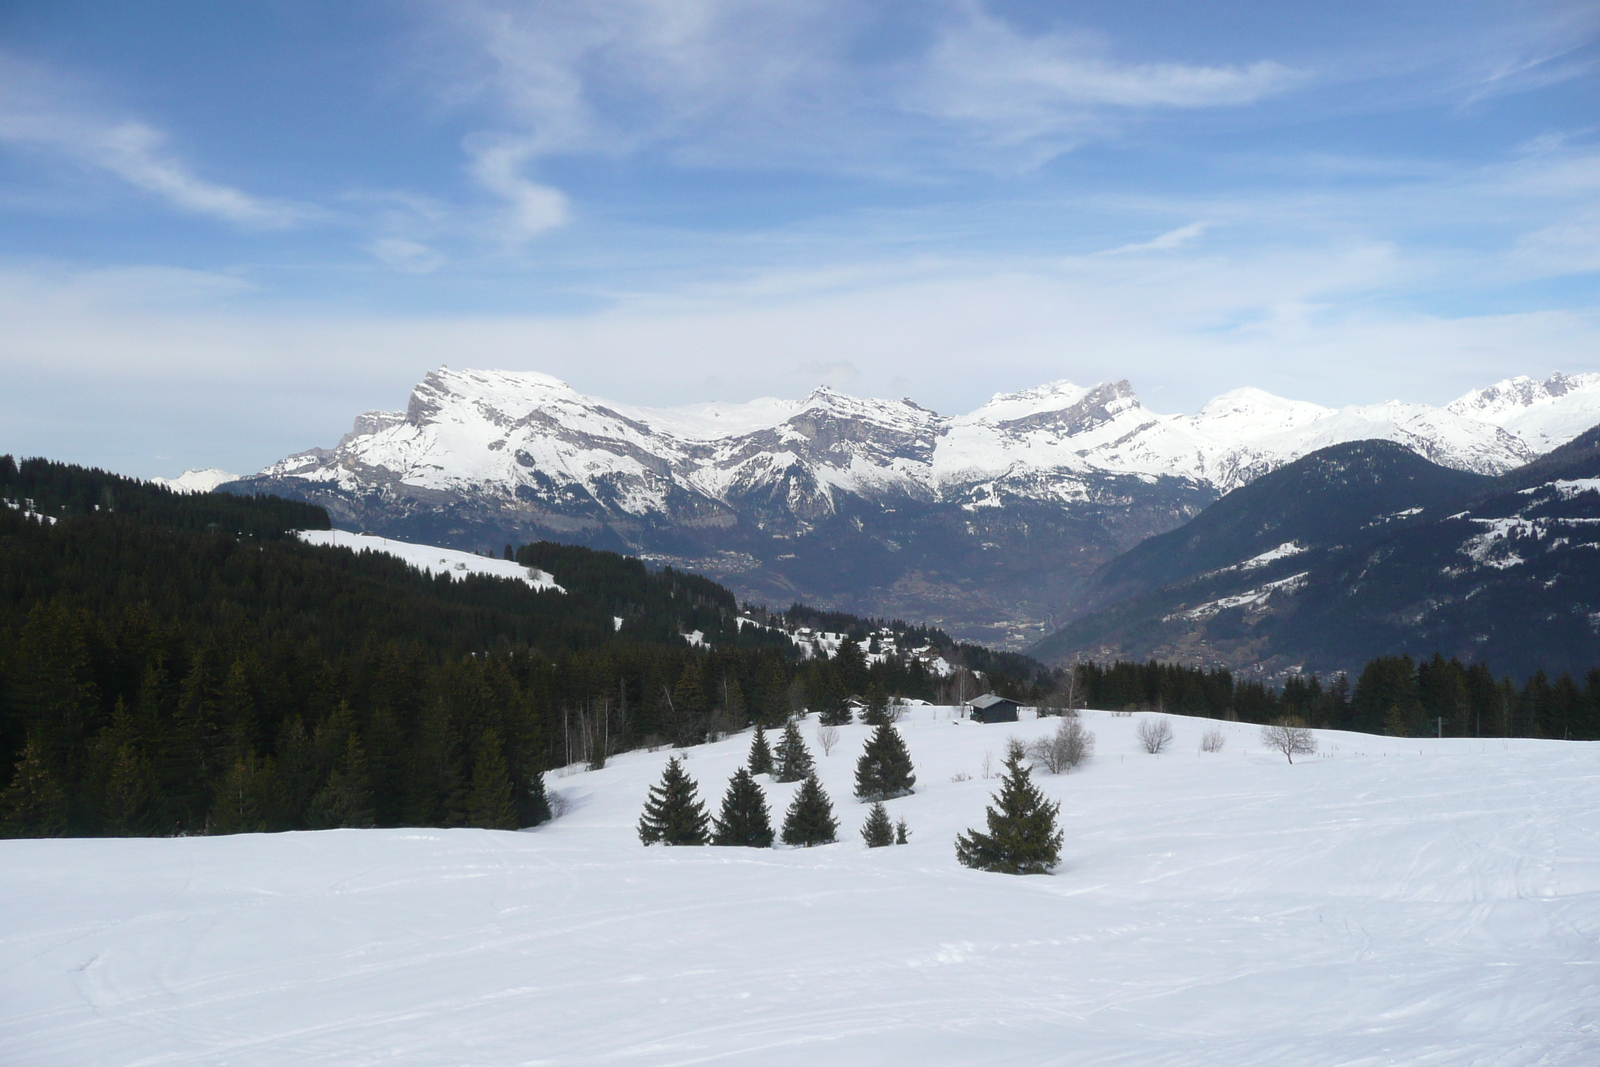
x=809 y=820
x=884 y=770
x=673 y=814
x=792 y=761
x=743 y=819
x=1022 y=837
x=760 y=759
x=1064 y=749
x=1289 y=736
x=1155 y=735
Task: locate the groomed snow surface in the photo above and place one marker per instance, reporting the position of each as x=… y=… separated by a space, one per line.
x=1387 y=902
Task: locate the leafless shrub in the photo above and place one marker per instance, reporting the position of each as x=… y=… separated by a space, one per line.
x=559 y=805
x=988 y=764
x=896 y=709
x=827 y=737
x=1289 y=736
x=1063 y=750
x=1213 y=741
x=1155 y=735
x=961 y=776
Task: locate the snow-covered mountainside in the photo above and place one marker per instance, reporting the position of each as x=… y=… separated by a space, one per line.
x=1404 y=902
x=197 y=481
x=876 y=506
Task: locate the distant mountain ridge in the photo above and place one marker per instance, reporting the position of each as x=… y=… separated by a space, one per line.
x=1362 y=550
x=984 y=523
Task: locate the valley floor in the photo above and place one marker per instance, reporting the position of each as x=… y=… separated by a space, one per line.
x=1387 y=902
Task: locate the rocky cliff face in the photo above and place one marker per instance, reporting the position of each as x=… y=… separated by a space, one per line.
x=984 y=523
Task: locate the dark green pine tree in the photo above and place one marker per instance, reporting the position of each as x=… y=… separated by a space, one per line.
x=673 y=814
x=878 y=831
x=760 y=755
x=345 y=800
x=535 y=806
x=34 y=804
x=246 y=798
x=1022 y=837
x=792 y=761
x=876 y=712
x=827 y=696
x=884 y=770
x=489 y=804
x=809 y=820
x=744 y=819
x=902 y=833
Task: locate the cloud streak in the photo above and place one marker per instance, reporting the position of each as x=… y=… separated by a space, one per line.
x=37 y=112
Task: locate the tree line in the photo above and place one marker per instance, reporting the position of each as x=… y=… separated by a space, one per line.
x=1393 y=695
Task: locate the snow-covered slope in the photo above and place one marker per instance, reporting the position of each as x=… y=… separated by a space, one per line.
x=197 y=481
x=1543 y=414
x=1408 y=903
x=431 y=560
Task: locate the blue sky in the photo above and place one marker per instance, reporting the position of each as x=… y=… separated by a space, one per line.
x=225 y=229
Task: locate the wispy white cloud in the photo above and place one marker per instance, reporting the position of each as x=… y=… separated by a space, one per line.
x=751 y=83
x=42 y=111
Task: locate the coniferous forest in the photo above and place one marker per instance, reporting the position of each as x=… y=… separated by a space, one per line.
x=177 y=664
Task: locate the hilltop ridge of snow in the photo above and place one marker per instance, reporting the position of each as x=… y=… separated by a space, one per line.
x=431 y=560
x=197 y=480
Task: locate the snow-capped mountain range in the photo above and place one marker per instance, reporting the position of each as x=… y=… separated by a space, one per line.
x=772 y=489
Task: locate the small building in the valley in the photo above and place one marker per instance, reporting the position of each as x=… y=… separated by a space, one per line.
x=990 y=708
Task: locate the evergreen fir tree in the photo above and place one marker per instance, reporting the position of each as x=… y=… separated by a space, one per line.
x=245 y=798
x=34 y=804
x=760 y=755
x=130 y=800
x=884 y=770
x=902 y=834
x=877 y=709
x=346 y=798
x=877 y=831
x=1022 y=837
x=744 y=819
x=792 y=761
x=809 y=820
x=535 y=806
x=826 y=694
x=673 y=814
x=489 y=804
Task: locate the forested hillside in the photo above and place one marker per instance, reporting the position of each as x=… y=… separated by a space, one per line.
x=175 y=663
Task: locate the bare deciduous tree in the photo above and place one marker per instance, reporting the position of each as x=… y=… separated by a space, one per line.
x=1155 y=735
x=1290 y=736
x=1213 y=741
x=1063 y=750
x=827 y=737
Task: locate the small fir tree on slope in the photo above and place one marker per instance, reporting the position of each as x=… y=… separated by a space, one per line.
x=809 y=820
x=884 y=770
x=760 y=760
x=878 y=831
x=1022 y=837
x=792 y=761
x=673 y=814
x=743 y=820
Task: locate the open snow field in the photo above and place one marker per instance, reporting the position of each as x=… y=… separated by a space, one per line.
x=1387 y=902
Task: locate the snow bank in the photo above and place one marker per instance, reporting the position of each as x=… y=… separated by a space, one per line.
x=1387 y=902
x=431 y=560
